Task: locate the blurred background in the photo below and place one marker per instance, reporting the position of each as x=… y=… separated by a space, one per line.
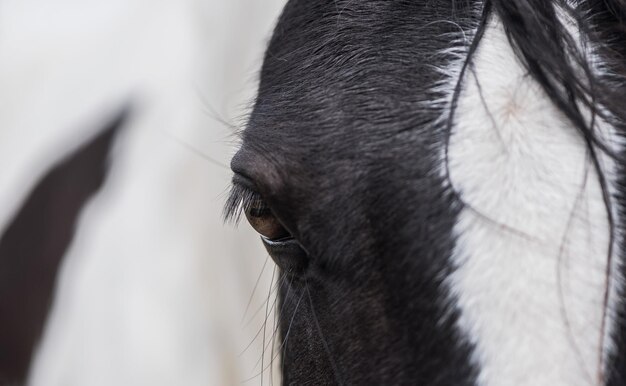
x=153 y=288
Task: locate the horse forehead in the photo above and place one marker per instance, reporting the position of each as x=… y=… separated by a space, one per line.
x=357 y=44
x=346 y=93
x=334 y=88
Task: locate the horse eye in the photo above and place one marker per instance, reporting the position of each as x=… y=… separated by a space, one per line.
x=286 y=251
x=264 y=222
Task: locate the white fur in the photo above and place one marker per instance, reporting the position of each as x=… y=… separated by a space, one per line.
x=532 y=243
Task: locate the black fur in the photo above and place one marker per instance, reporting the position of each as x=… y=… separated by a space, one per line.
x=344 y=144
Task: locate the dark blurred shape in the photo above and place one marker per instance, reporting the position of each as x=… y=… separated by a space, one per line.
x=35 y=242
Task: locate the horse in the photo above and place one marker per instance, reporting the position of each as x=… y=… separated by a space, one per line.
x=441 y=184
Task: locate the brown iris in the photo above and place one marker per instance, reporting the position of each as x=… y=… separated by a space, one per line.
x=264 y=222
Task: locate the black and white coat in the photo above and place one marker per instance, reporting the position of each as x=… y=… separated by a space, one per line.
x=441 y=184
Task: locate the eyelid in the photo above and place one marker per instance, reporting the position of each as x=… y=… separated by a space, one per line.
x=288 y=254
x=280 y=241
x=284 y=240
x=245 y=182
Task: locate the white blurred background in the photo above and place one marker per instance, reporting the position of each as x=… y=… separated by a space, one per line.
x=154 y=286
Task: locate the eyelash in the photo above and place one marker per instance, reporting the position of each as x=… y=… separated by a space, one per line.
x=241 y=199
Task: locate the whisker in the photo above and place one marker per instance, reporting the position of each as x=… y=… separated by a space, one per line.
x=283 y=344
x=195 y=150
x=256 y=312
x=258 y=280
x=213 y=114
x=265 y=304
x=265 y=322
x=321 y=334
x=277 y=326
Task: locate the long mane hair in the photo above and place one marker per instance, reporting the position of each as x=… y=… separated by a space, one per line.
x=576 y=52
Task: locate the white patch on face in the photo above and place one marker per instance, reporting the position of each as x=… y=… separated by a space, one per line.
x=533 y=240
